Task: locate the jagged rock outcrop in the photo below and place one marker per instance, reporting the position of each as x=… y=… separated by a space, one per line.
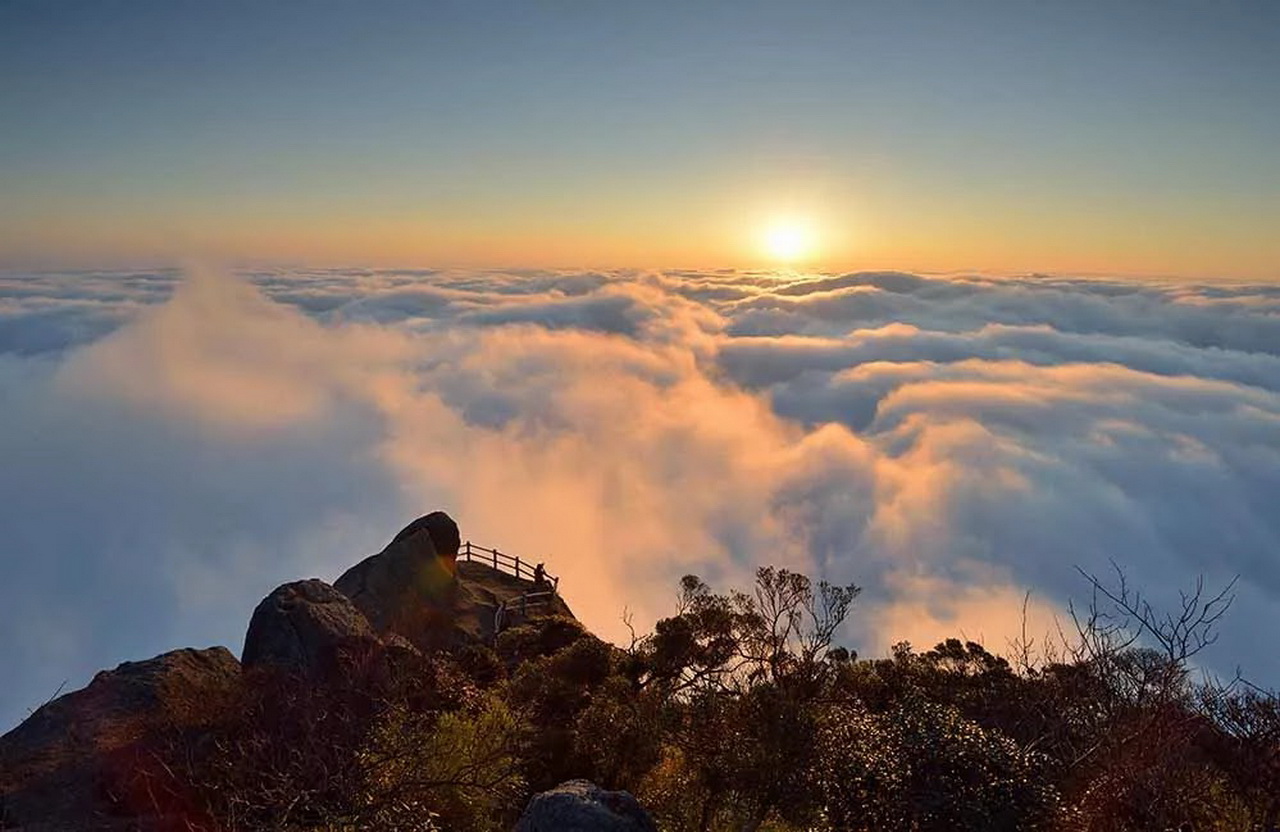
x=300 y=625
x=582 y=806
x=61 y=768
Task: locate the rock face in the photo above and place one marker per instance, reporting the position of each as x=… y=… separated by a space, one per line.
x=57 y=767
x=300 y=624
x=582 y=806
x=409 y=587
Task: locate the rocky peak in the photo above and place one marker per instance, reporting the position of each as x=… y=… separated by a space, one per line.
x=403 y=587
x=417 y=588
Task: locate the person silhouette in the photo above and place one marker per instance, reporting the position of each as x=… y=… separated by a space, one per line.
x=540 y=574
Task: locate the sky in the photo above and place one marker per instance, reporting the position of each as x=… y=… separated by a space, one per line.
x=1099 y=137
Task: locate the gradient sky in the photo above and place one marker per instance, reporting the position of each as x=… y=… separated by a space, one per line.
x=1002 y=136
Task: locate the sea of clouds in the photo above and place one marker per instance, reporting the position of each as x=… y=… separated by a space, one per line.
x=175 y=445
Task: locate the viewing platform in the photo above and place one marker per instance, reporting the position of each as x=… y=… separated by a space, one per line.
x=503 y=562
x=539 y=598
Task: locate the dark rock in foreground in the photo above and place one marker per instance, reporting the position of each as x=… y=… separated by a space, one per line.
x=582 y=806
x=58 y=769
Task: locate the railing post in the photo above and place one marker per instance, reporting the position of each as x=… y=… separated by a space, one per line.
x=512 y=564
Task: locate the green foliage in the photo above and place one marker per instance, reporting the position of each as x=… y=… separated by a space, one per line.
x=481 y=664
x=670 y=791
x=537 y=638
x=460 y=767
x=341 y=751
x=551 y=692
x=619 y=734
x=742 y=675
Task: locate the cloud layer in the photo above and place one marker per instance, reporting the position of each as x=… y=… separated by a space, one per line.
x=176 y=445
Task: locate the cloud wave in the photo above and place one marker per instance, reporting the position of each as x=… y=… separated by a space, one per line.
x=176 y=445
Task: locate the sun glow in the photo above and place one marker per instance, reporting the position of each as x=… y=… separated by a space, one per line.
x=789 y=241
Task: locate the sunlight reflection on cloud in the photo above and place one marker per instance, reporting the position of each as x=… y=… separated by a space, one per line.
x=176 y=448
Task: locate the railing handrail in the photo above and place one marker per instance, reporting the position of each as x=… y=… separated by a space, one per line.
x=513 y=564
x=524 y=601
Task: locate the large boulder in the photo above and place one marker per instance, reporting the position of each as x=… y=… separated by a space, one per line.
x=300 y=625
x=442 y=530
x=409 y=587
x=582 y=806
x=64 y=766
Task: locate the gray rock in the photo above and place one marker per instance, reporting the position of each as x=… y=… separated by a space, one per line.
x=300 y=624
x=582 y=806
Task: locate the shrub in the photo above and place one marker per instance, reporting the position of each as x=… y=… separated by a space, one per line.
x=922 y=766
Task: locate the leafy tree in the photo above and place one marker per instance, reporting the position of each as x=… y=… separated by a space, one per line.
x=745 y=674
x=551 y=692
x=461 y=768
x=619 y=734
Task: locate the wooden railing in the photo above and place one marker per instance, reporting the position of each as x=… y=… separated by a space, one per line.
x=510 y=564
x=523 y=605
x=540 y=596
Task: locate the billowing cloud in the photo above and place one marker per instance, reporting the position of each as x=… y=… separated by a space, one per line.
x=176 y=445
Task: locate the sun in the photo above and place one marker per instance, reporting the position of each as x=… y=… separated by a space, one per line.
x=789 y=241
